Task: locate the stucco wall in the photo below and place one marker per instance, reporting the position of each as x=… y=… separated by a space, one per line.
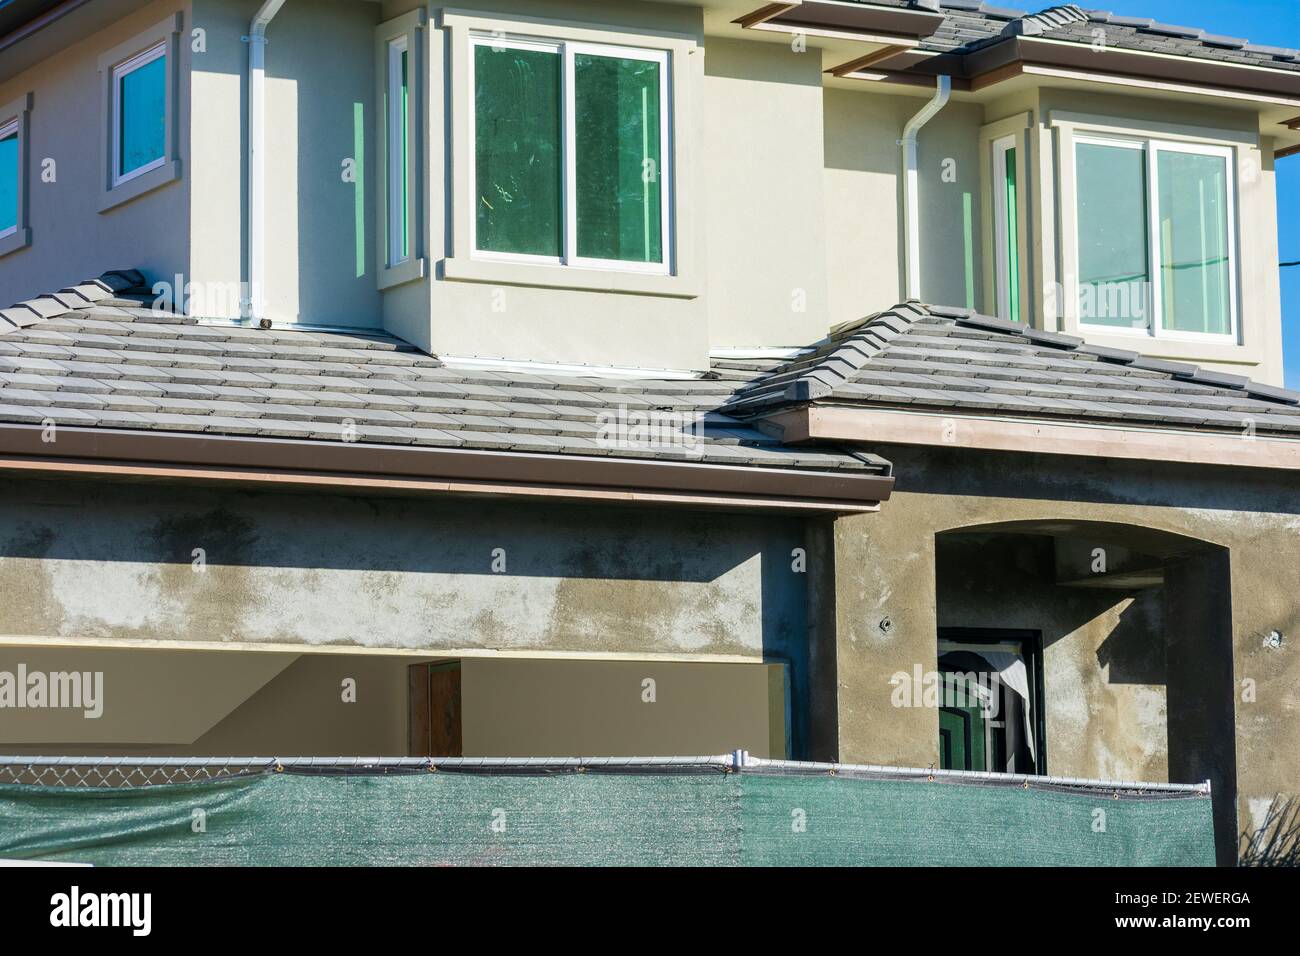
x=885 y=572
x=71 y=239
x=117 y=563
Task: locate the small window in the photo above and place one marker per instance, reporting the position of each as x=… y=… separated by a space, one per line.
x=399 y=150
x=991 y=710
x=140 y=114
x=1006 y=201
x=1155 y=237
x=10 y=179
x=570 y=154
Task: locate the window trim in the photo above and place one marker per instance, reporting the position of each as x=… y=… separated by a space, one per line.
x=1003 y=241
x=409 y=31
x=14 y=129
x=449 y=114
x=15 y=117
x=117 y=189
x=1151 y=147
x=568 y=50
x=119 y=73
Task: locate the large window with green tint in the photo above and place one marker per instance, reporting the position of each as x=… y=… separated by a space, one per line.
x=1156 y=247
x=570 y=153
x=9 y=179
x=140 y=114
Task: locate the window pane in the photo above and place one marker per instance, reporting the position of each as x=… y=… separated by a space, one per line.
x=406 y=153
x=1112 y=211
x=517 y=150
x=399 y=240
x=1194 y=240
x=8 y=182
x=618 y=163
x=1012 y=238
x=143 y=94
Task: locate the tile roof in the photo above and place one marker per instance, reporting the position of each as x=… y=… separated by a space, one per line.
x=972 y=24
x=933 y=358
x=96 y=355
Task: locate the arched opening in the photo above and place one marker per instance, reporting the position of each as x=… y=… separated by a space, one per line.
x=1099 y=650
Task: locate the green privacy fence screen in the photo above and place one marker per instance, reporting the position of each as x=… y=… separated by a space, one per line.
x=568 y=813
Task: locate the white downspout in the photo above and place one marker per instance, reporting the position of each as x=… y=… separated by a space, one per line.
x=255 y=304
x=911 y=204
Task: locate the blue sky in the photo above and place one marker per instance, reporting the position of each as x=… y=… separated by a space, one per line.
x=1270 y=22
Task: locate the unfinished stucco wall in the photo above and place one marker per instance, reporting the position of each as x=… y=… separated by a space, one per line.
x=885 y=569
x=118 y=562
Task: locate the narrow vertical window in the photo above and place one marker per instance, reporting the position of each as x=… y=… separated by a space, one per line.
x=10 y=181
x=1007 y=230
x=571 y=153
x=140 y=114
x=399 y=151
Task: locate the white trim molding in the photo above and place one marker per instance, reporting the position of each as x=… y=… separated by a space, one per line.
x=161 y=40
x=15 y=118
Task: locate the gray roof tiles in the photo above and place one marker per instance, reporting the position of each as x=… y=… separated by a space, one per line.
x=106 y=361
x=954 y=359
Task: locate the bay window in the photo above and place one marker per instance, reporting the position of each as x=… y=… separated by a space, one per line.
x=570 y=153
x=1156 y=228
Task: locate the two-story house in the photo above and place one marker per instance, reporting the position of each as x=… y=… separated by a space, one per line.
x=548 y=377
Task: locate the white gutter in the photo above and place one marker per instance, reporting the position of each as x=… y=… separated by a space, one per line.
x=911 y=205
x=255 y=303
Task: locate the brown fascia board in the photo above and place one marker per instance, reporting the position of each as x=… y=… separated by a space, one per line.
x=1288 y=151
x=1115 y=61
x=208 y=457
x=878 y=425
x=903 y=23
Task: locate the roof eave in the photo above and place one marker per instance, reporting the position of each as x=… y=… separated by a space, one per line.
x=872 y=425
x=357 y=466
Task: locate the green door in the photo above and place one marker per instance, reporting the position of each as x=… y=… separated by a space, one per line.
x=961 y=733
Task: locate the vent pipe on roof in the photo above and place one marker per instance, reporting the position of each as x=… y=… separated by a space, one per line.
x=911 y=206
x=254 y=303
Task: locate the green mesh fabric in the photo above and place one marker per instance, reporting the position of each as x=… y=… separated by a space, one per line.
x=704 y=819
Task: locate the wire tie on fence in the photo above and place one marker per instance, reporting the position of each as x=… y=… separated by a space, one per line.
x=1026 y=786
x=433 y=767
x=279 y=767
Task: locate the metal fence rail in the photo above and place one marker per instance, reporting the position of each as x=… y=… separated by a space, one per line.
x=134 y=772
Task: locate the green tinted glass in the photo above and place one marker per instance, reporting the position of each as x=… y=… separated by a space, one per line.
x=142 y=115
x=8 y=182
x=517 y=150
x=1012 y=237
x=1193 y=208
x=619 y=179
x=1112 y=211
x=404 y=251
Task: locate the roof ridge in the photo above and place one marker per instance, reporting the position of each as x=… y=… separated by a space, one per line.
x=1047 y=19
x=846 y=350
x=84 y=295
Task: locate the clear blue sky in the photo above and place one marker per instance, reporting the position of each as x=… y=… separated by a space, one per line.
x=1270 y=22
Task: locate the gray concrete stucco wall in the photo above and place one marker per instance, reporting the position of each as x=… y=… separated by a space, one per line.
x=1106 y=719
x=120 y=563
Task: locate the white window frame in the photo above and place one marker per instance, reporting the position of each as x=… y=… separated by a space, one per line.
x=120 y=72
x=14 y=128
x=567 y=50
x=1001 y=262
x=1151 y=147
x=399 y=152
